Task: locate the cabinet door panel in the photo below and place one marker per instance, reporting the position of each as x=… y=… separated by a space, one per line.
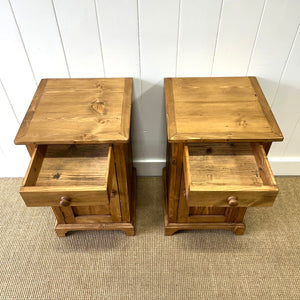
x=188 y=214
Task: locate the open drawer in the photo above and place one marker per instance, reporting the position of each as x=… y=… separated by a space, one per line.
x=69 y=175
x=228 y=175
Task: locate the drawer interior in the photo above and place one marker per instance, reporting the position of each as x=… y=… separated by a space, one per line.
x=219 y=164
x=226 y=167
x=68 y=165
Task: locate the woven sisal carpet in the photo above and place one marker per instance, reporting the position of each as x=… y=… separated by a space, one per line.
x=264 y=263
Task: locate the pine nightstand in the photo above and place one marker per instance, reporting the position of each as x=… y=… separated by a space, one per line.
x=219 y=133
x=78 y=134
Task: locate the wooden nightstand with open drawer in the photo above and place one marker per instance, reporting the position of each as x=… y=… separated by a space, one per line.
x=78 y=134
x=219 y=133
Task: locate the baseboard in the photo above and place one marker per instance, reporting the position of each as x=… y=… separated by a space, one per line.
x=149 y=167
x=285 y=166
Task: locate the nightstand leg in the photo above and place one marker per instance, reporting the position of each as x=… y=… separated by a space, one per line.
x=129 y=231
x=239 y=230
x=170 y=231
x=61 y=232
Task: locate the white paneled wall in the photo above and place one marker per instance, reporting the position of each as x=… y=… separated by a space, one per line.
x=15 y=69
x=41 y=37
x=198 y=31
x=239 y=21
x=80 y=37
x=149 y=40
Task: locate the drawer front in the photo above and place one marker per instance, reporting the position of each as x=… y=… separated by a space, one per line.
x=70 y=176
x=231 y=198
x=223 y=175
x=67 y=196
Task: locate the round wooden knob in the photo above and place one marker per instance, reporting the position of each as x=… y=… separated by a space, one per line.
x=65 y=201
x=113 y=193
x=232 y=201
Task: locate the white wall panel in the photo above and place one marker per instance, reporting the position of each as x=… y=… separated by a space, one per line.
x=15 y=71
x=79 y=31
x=14 y=159
x=158 y=41
x=293 y=146
x=120 y=45
x=286 y=105
x=238 y=27
x=198 y=28
x=273 y=44
x=119 y=35
x=38 y=26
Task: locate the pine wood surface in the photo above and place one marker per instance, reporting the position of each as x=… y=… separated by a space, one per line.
x=51 y=196
x=68 y=220
x=67 y=111
x=223 y=164
x=234 y=107
x=233 y=220
x=92 y=219
x=91 y=210
x=205 y=214
x=79 y=172
x=174 y=166
x=214 y=172
x=65 y=165
x=121 y=154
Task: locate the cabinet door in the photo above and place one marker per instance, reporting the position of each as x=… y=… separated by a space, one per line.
x=191 y=214
x=107 y=213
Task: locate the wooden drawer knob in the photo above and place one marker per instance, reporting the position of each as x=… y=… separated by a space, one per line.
x=65 y=201
x=232 y=201
x=113 y=194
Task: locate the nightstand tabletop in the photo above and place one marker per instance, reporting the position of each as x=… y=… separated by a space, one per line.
x=83 y=111
x=218 y=109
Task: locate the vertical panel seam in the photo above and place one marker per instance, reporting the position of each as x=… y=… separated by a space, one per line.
x=139 y=45
x=10 y=104
x=256 y=36
x=285 y=65
x=22 y=41
x=99 y=37
x=178 y=34
x=140 y=63
x=217 y=37
x=60 y=37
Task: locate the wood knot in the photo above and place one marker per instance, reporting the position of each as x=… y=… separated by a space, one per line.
x=98 y=85
x=56 y=176
x=243 y=123
x=98 y=106
x=209 y=151
x=72 y=149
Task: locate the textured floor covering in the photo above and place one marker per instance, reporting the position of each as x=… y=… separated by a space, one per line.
x=264 y=263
